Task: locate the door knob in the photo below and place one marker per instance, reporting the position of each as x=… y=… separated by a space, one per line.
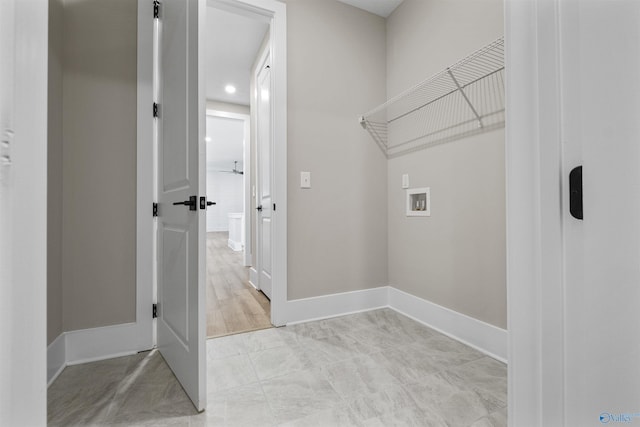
x=192 y=203
x=259 y=208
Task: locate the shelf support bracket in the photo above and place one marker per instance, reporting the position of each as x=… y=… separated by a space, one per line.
x=464 y=95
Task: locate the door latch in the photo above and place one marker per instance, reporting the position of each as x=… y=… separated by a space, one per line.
x=204 y=203
x=192 y=203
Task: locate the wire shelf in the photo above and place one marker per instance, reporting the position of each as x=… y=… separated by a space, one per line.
x=464 y=99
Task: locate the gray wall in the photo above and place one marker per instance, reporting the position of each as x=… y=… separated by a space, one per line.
x=99 y=159
x=337 y=229
x=456 y=257
x=54 y=171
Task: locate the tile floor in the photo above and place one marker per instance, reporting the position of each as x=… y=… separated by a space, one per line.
x=377 y=368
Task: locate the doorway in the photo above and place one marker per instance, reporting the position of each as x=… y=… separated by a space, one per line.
x=235 y=299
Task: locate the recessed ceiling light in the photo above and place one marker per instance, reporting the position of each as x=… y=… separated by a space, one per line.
x=230 y=89
x=207 y=139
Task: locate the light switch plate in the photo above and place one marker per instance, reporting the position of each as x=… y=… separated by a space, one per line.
x=405 y=180
x=305 y=179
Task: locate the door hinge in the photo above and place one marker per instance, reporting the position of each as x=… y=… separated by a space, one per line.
x=274 y=206
x=156 y=9
x=155 y=209
x=156 y=109
x=155 y=311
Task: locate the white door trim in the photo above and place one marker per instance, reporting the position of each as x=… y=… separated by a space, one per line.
x=246 y=118
x=535 y=279
x=276 y=13
x=145 y=227
x=23 y=211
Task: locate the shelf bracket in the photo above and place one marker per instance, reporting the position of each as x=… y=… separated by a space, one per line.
x=464 y=95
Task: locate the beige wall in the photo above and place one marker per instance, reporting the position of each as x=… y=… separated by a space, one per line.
x=456 y=257
x=99 y=158
x=54 y=172
x=337 y=230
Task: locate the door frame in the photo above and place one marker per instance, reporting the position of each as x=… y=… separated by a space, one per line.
x=275 y=13
x=146 y=262
x=246 y=158
x=535 y=264
x=23 y=255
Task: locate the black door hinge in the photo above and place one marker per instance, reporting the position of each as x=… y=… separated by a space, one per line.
x=155 y=209
x=156 y=108
x=156 y=9
x=155 y=310
x=274 y=206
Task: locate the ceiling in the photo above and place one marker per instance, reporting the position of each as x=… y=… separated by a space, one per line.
x=233 y=42
x=225 y=143
x=379 y=7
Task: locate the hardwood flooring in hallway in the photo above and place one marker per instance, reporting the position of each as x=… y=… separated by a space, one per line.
x=233 y=305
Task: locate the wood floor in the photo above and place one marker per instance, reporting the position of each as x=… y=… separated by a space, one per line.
x=233 y=305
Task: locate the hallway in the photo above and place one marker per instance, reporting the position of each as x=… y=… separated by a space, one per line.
x=233 y=305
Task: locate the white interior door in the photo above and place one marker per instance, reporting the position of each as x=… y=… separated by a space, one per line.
x=263 y=179
x=601 y=111
x=181 y=316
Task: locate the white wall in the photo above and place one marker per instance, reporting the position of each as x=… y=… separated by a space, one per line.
x=227 y=190
x=456 y=257
x=225 y=144
x=227 y=107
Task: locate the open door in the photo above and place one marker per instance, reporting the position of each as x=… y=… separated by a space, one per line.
x=181 y=301
x=264 y=156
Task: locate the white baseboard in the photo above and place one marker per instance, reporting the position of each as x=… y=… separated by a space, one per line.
x=326 y=306
x=482 y=336
x=56 y=358
x=234 y=246
x=89 y=345
x=253 y=277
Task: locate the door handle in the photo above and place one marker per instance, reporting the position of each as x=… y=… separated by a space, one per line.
x=192 y=203
x=575 y=193
x=259 y=208
x=204 y=203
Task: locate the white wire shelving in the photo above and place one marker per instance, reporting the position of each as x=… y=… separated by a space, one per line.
x=464 y=99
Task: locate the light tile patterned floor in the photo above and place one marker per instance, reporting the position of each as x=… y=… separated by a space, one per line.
x=377 y=368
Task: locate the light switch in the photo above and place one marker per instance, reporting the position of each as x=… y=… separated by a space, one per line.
x=305 y=179
x=405 y=180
